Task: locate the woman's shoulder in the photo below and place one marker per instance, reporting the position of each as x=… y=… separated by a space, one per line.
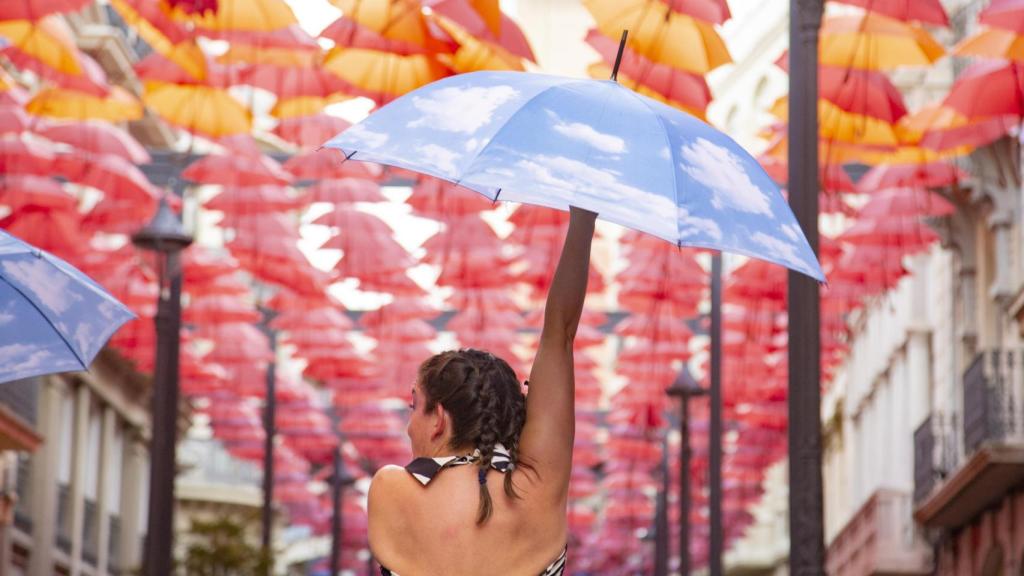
x=388 y=482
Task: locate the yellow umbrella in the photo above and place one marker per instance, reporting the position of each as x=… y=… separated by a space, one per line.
x=184 y=52
x=247 y=15
x=993 y=43
x=48 y=40
x=869 y=41
x=383 y=74
x=661 y=34
x=602 y=71
x=393 y=19
x=304 y=105
x=834 y=123
x=199 y=109
x=273 y=56
x=475 y=54
x=118 y=106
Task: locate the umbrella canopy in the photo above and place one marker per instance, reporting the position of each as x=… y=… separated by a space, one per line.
x=57 y=319
x=384 y=76
x=988 y=88
x=1005 y=14
x=993 y=43
x=48 y=40
x=401 y=20
x=98 y=138
x=871 y=41
x=539 y=139
x=118 y=106
x=661 y=34
x=198 y=109
x=923 y=11
x=36 y=9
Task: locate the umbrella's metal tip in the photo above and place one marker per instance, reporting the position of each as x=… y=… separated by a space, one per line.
x=618 y=57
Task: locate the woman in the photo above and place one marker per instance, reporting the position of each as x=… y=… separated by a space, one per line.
x=488 y=489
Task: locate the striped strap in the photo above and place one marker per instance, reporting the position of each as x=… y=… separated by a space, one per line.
x=425 y=469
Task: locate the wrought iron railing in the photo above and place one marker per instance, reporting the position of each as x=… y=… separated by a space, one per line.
x=90 y=536
x=114 y=546
x=993 y=394
x=63 y=533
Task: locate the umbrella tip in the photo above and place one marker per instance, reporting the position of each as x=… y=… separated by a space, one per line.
x=618 y=57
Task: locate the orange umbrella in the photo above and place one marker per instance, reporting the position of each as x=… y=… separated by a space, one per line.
x=940 y=128
x=834 y=123
x=484 y=20
x=350 y=34
x=871 y=41
x=199 y=109
x=249 y=15
x=395 y=20
x=385 y=76
x=660 y=34
x=603 y=71
x=993 y=43
x=304 y=105
x=475 y=54
x=48 y=40
x=36 y=9
x=118 y=106
x=923 y=11
x=167 y=38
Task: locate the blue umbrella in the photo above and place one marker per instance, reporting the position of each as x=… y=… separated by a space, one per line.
x=53 y=318
x=556 y=142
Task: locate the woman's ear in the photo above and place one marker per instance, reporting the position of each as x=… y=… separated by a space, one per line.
x=440 y=422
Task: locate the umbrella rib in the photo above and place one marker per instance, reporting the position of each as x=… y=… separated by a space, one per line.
x=48 y=319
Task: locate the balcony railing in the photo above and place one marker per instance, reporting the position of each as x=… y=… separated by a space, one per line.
x=993 y=390
x=962 y=467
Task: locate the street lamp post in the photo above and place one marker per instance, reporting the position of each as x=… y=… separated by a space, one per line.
x=269 y=430
x=685 y=388
x=164 y=235
x=806 y=532
x=339 y=480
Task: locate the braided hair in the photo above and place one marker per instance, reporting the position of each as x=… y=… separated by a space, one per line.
x=487 y=406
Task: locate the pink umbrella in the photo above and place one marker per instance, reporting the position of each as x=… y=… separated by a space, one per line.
x=345 y=191
x=20 y=156
x=236 y=171
x=326 y=163
x=254 y=200
x=896 y=202
x=116 y=177
x=924 y=11
x=98 y=138
x=1005 y=14
x=14 y=119
x=310 y=131
x=930 y=175
x=36 y=9
x=988 y=88
x=19 y=191
x=291 y=82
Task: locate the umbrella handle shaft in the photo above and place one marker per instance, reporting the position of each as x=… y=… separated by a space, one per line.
x=618 y=57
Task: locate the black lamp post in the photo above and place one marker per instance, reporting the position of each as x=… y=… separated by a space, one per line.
x=806 y=523
x=685 y=388
x=270 y=431
x=165 y=236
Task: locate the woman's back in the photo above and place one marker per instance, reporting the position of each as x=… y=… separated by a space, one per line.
x=432 y=530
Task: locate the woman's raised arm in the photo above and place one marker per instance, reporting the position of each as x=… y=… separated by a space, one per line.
x=547 y=438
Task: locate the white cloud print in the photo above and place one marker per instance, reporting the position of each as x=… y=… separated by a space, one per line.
x=440 y=157
x=584 y=133
x=463 y=110
x=780 y=250
x=365 y=137
x=721 y=170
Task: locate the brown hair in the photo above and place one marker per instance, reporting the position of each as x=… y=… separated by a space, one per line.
x=487 y=406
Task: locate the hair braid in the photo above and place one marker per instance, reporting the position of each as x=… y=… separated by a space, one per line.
x=489 y=434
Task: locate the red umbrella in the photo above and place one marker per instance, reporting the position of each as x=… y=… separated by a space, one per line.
x=14 y=119
x=20 y=191
x=396 y=282
x=386 y=257
x=400 y=309
x=898 y=233
x=220 y=310
x=157 y=68
x=328 y=164
x=92 y=80
x=495 y=28
x=242 y=144
x=236 y=171
x=354 y=222
x=678 y=85
x=924 y=11
x=1005 y=14
x=988 y=88
x=116 y=177
x=931 y=175
x=113 y=216
x=21 y=156
x=435 y=198
x=975 y=134
x=833 y=178
x=345 y=191
x=254 y=200
x=312 y=319
x=347 y=32
x=865 y=92
x=896 y=202
x=98 y=138
x=292 y=82
x=36 y=9
x=310 y=131
x=55 y=231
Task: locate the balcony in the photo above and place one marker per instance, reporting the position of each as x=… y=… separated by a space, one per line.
x=952 y=487
x=881 y=538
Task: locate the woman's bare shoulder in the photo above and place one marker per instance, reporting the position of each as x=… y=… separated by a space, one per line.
x=388 y=483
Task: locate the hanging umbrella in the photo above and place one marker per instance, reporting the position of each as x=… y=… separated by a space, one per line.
x=871 y=41
x=118 y=106
x=92 y=80
x=401 y=20
x=942 y=128
x=18 y=191
x=864 y=92
x=167 y=38
x=995 y=43
x=484 y=20
x=661 y=34
x=906 y=202
x=323 y=164
x=247 y=15
x=309 y=131
x=838 y=125
x=236 y=171
x=475 y=54
x=927 y=175
x=538 y=139
x=23 y=156
x=255 y=199
x=48 y=40
x=97 y=138
x=988 y=88
x=1005 y=14
x=923 y=11
x=345 y=191
x=382 y=75
x=673 y=84
x=57 y=318
x=199 y=109
x=36 y=9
